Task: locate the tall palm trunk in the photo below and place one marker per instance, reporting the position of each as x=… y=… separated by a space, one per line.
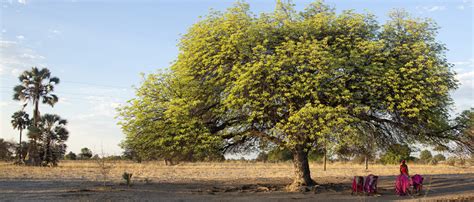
x=47 y=156
x=20 y=151
x=36 y=113
x=33 y=151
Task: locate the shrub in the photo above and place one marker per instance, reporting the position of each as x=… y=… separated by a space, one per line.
x=262 y=156
x=86 y=153
x=316 y=156
x=128 y=178
x=395 y=153
x=425 y=156
x=70 y=156
x=439 y=157
x=279 y=155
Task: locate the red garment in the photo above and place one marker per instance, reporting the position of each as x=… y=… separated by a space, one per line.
x=404 y=169
x=402 y=185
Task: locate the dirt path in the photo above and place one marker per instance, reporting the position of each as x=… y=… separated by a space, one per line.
x=447 y=187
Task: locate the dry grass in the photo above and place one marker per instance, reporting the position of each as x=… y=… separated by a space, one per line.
x=203 y=171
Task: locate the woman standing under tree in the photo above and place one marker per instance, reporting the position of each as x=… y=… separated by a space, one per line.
x=403 y=180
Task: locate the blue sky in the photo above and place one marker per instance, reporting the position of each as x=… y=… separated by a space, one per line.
x=99 y=47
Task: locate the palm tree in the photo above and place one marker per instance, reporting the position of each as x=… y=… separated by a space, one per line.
x=53 y=135
x=36 y=85
x=20 y=121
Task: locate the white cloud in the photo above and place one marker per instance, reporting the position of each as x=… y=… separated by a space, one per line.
x=430 y=8
x=15 y=58
x=461 y=7
x=22 y=2
x=466 y=79
x=464 y=95
x=20 y=37
x=434 y=8
x=33 y=57
x=469 y=63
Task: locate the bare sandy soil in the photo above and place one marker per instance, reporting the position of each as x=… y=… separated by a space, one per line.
x=30 y=185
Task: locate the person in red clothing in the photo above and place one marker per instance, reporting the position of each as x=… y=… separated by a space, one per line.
x=402 y=184
x=404 y=168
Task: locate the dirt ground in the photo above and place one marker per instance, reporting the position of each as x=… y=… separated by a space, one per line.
x=22 y=185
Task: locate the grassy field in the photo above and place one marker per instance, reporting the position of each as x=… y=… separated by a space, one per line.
x=208 y=180
x=92 y=170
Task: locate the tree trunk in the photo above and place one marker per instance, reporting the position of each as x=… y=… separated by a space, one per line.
x=36 y=113
x=325 y=157
x=325 y=161
x=20 y=151
x=47 y=156
x=301 y=167
x=34 y=153
x=366 y=163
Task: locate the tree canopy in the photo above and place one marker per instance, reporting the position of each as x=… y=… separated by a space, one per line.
x=296 y=80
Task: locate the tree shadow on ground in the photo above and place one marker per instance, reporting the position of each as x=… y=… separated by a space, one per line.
x=273 y=189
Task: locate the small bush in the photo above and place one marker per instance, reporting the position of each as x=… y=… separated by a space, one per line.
x=280 y=155
x=425 y=156
x=128 y=178
x=439 y=157
x=262 y=156
x=434 y=161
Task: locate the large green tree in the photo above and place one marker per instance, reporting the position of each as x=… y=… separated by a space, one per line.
x=20 y=121
x=297 y=80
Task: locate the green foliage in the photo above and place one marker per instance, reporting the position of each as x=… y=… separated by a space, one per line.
x=280 y=155
x=262 y=156
x=20 y=121
x=316 y=155
x=36 y=84
x=395 y=153
x=128 y=178
x=130 y=154
x=464 y=130
x=70 y=156
x=6 y=150
x=159 y=125
x=47 y=133
x=439 y=157
x=298 y=80
x=85 y=154
x=425 y=156
x=22 y=150
x=52 y=135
